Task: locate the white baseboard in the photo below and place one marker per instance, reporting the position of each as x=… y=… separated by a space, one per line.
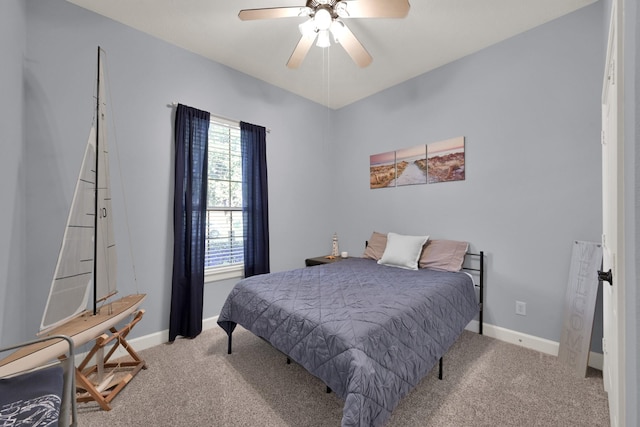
x=529 y=341
x=148 y=341
x=209 y=323
x=507 y=335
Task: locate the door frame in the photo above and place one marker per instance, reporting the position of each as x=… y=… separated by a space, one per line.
x=613 y=219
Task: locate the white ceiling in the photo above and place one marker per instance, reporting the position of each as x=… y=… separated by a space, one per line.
x=434 y=33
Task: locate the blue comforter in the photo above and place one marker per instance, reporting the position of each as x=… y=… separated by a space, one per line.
x=370 y=332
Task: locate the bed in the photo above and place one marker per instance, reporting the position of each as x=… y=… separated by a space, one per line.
x=369 y=331
x=43 y=394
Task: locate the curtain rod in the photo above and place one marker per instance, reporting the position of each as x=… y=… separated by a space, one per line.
x=175 y=104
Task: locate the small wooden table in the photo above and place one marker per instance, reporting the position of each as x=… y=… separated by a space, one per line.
x=321 y=260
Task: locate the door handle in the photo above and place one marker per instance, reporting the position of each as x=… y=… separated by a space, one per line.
x=605 y=276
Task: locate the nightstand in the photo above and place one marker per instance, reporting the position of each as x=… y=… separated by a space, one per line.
x=321 y=260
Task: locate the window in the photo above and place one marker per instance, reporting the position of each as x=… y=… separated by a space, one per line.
x=224 y=234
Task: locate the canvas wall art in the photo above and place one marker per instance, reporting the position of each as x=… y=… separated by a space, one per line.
x=440 y=161
x=382 y=170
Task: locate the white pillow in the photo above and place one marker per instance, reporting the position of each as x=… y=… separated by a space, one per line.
x=403 y=251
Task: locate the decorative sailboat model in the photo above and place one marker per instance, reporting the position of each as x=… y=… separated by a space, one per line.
x=78 y=305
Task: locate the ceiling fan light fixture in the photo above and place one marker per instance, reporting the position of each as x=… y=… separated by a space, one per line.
x=305 y=11
x=307 y=28
x=337 y=29
x=323 y=39
x=341 y=9
x=323 y=19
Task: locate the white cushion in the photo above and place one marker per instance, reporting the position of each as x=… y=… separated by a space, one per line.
x=403 y=251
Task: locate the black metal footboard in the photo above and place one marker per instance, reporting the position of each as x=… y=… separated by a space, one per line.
x=480 y=271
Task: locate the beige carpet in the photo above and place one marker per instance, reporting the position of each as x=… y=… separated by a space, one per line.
x=486 y=383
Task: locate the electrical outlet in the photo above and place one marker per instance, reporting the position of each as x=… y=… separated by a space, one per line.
x=521 y=308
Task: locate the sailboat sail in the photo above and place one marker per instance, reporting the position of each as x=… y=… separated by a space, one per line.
x=106 y=258
x=88 y=253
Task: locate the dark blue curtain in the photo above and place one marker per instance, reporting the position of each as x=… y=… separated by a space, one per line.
x=255 y=204
x=189 y=222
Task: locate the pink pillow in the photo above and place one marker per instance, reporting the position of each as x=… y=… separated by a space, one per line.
x=375 y=246
x=446 y=255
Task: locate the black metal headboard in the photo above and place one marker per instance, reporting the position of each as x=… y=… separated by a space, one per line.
x=480 y=270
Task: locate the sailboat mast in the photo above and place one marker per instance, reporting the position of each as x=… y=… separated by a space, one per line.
x=95 y=219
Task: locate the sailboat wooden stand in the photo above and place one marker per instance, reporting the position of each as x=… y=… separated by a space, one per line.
x=91 y=383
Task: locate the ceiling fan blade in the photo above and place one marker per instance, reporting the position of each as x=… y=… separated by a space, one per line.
x=375 y=8
x=301 y=50
x=354 y=48
x=272 y=12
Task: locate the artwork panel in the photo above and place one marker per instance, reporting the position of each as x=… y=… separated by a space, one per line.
x=446 y=160
x=411 y=165
x=382 y=170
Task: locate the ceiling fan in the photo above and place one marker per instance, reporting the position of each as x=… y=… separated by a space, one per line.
x=325 y=19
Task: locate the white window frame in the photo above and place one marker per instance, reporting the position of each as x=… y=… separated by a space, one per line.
x=215 y=274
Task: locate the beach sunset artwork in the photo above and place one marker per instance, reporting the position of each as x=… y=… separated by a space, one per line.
x=445 y=161
x=411 y=165
x=382 y=170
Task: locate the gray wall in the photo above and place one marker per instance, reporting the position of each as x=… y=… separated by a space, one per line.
x=633 y=390
x=632 y=200
x=529 y=108
x=12 y=173
x=144 y=76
